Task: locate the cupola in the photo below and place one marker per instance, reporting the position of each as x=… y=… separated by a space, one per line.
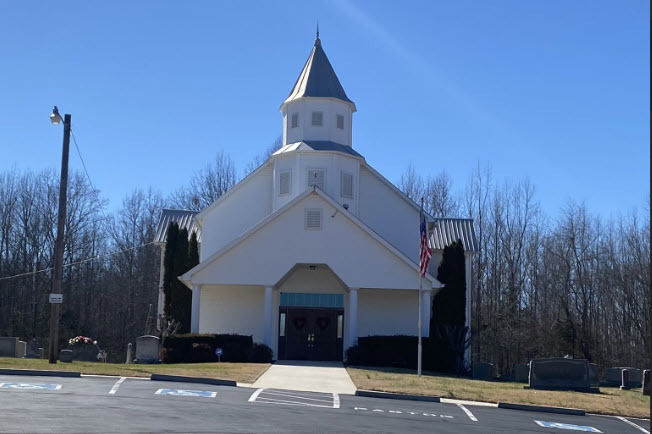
x=317 y=109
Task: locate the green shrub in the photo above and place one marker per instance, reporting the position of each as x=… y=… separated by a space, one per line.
x=260 y=353
x=398 y=351
x=199 y=348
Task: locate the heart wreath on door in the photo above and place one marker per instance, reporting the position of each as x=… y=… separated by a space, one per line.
x=323 y=322
x=299 y=323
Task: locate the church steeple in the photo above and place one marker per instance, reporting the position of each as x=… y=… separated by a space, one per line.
x=317 y=108
x=317 y=78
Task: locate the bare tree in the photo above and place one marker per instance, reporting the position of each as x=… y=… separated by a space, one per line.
x=264 y=156
x=206 y=185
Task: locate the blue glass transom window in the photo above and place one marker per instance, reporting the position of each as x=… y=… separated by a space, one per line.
x=298 y=299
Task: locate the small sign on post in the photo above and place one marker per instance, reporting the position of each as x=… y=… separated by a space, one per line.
x=218 y=353
x=56 y=298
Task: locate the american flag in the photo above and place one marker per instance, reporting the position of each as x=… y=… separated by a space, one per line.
x=424 y=256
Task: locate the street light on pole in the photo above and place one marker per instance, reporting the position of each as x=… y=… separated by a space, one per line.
x=55 y=118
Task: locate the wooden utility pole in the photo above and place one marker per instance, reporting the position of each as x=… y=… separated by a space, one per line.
x=59 y=243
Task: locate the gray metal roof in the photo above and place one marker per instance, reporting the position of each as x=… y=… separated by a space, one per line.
x=317 y=79
x=183 y=217
x=317 y=145
x=445 y=231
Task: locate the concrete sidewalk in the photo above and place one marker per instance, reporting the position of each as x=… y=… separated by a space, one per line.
x=326 y=377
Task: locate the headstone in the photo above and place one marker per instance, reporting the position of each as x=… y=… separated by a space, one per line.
x=147 y=349
x=635 y=377
x=613 y=377
x=32 y=350
x=522 y=373
x=645 y=388
x=129 y=354
x=624 y=375
x=65 y=356
x=8 y=346
x=85 y=352
x=21 y=348
x=483 y=371
x=593 y=375
x=560 y=374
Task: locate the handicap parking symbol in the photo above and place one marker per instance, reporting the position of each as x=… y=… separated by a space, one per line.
x=181 y=392
x=567 y=426
x=28 y=386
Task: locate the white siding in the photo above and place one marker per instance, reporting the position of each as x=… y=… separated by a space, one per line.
x=267 y=254
x=330 y=108
x=232 y=309
x=387 y=312
x=390 y=215
x=249 y=204
x=302 y=162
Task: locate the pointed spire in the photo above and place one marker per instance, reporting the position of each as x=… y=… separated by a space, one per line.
x=318 y=79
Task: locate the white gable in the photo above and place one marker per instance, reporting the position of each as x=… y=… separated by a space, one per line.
x=262 y=257
x=234 y=213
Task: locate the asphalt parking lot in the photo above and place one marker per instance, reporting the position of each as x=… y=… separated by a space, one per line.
x=115 y=405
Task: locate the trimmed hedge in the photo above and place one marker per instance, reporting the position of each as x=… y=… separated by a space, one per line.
x=199 y=348
x=398 y=351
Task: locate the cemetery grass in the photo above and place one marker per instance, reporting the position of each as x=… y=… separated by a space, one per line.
x=240 y=372
x=610 y=400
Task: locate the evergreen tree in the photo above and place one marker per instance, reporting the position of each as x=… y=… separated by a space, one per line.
x=168 y=263
x=193 y=251
x=181 y=296
x=449 y=305
x=447 y=322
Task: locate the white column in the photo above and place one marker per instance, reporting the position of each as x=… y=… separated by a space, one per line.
x=267 y=317
x=194 y=318
x=425 y=313
x=353 y=316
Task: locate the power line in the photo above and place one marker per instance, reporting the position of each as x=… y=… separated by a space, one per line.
x=78 y=262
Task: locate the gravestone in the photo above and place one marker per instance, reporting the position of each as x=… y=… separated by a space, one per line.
x=645 y=388
x=8 y=346
x=593 y=375
x=21 y=348
x=65 y=356
x=32 y=351
x=147 y=349
x=635 y=377
x=624 y=375
x=613 y=377
x=560 y=374
x=85 y=352
x=522 y=372
x=129 y=354
x=483 y=371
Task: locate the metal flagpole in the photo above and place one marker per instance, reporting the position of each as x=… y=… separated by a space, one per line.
x=420 y=288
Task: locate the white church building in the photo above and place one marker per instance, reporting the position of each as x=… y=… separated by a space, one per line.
x=314 y=248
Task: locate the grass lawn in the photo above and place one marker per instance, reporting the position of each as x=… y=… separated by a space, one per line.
x=610 y=400
x=241 y=372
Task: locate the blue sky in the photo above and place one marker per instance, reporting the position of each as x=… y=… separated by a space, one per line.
x=556 y=91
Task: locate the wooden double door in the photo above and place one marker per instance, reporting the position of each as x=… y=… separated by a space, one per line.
x=310 y=333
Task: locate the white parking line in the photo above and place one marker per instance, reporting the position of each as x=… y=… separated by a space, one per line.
x=289 y=395
x=640 y=428
x=254 y=395
x=468 y=413
x=117 y=384
x=286 y=402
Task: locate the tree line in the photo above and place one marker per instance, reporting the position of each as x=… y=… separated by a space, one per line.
x=575 y=284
